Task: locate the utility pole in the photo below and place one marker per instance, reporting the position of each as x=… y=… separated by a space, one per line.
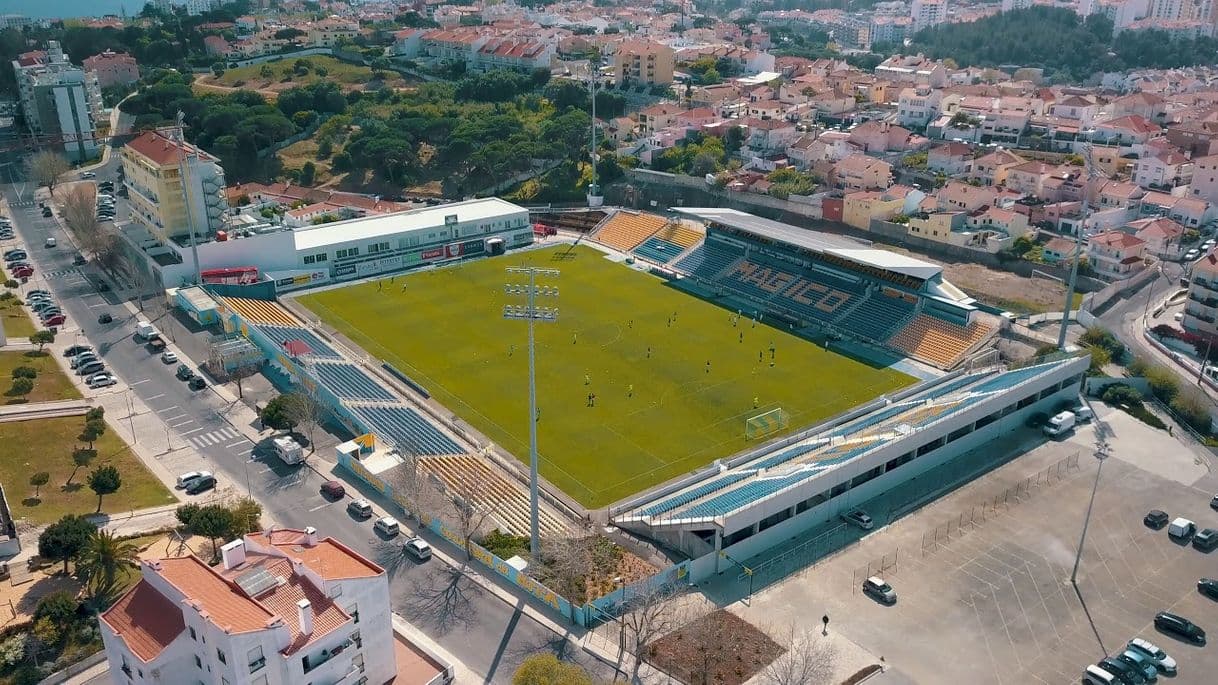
x=194 y=243
x=1078 y=248
x=1101 y=453
x=595 y=199
x=531 y=313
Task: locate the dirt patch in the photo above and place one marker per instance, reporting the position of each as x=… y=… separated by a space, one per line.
x=719 y=648
x=1005 y=289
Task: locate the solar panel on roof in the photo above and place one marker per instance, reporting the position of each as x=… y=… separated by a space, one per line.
x=256 y=581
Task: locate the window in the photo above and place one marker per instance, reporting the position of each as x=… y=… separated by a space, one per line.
x=309 y=259
x=349 y=252
x=193 y=636
x=378 y=247
x=220 y=656
x=256 y=659
x=198 y=662
x=354 y=611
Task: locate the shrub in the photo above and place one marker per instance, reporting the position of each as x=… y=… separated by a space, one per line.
x=59 y=607
x=25 y=372
x=1144 y=415
x=1163 y=383
x=1192 y=408
x=10 y=283
x=505 y=545
x=1122 y=395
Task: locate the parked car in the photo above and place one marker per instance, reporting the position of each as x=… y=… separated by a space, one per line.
x=1181 y=528
x=90 y=368
x=1179 y=626
x=200 y=484
x=196 y=383
x=360 y=508
x=83 y=358
x=1157 y=656
x=859 y=518
x=46 y=211
x=1123 y=671
x=189 y=477
x=76 y=349
x=417 y=548
x=184 y=373
x=1155 y=518
x=1214 y=503
x=1094 y=675
x=1208 y=587
x=1206 y=540
x=105 y=318
x=88 y=174
x=879 y=590
x=168 y=357
x=56 y=320
x=387 y=526
x=24 y=272
x=333 y=489
x=1139 y=663
x=79 y=260
x=101 y=380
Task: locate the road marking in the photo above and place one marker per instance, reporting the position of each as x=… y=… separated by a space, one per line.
x=98 y=305
x=239 y=442
x=245 y=452
x=182 y=423
x=321 y=506
x=154 y=397
x=194 y=430
x=138 y=382
x=171 y=407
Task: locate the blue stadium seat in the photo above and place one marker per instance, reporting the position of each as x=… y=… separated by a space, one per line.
x=411 y=432
x=349 y=382
x=683 y=498
x=878 y=317
x=876 y=417
x=744 y=495
x=1009 y=379
x=707 y=260
x=954 y=385
x=658 y=250
x=281 y=334
x=786 y=455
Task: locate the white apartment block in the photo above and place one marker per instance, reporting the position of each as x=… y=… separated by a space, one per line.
x=927 y=13
x=284 y=608
x=59 y=100
x=1010 y=5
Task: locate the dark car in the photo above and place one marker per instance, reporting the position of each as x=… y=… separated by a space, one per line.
x=196 y=383
x=102 y=286
x=79 y=260
x=1180 y=627
x=201 y=484
x=105 y=318
x=1155 y=519
x=1208 y=587
x=333 y=489
x=1206 y=540
x=46 y=211
x=76 y=349
x=1214 y=502
x=1125 y=672
x=184 y=372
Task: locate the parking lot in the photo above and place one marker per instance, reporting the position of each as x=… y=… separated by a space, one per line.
x=983 y=574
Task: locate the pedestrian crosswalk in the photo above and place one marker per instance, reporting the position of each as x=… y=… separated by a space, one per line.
x=225 y=436
x=22 y=203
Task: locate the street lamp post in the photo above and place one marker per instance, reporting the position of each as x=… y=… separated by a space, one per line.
x=1149 y=294
x=1101 y=453
x=531 y=313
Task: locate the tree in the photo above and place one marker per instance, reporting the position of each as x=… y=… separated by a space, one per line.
x=649 y=617
x=213 y=521
x=38 y=480
x=46 y=167
x=308 y=173
x=102 y=559
x=94 y=428
x=81 y=456
x=21 y=387
x=243 y=372
x=64 y=539
x=308 y=412
x=103 y=481
x=807 y=661
x=247 y=517
x=186 y=513
x=280 y=414
x=58 y=607
x=42 y=338
x=546 y=669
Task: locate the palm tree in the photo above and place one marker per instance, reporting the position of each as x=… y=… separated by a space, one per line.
x=102 y=559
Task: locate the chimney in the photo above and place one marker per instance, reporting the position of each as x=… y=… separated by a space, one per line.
x=310 y=536
x=304 y=614
x=233 y=553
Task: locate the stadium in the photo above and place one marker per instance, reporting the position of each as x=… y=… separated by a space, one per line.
x=713 y=381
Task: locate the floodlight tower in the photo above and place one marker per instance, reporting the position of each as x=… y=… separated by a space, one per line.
x=1078 y=246
x=531 y=313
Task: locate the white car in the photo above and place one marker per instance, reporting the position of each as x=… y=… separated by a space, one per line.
x=168 y=357
x=186 y=478
x=1192 y=255
x=1165 y=664
x=387 y=526
x=859 y=518
x=101 y=380
x=417 y=548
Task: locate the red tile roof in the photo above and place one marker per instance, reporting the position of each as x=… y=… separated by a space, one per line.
x=329 y=558
x=1116 y=239
x=145 y=620
x=281 y=600
x=163 y=151
x=224 y=604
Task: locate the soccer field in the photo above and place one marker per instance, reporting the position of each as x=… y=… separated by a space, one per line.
x=674 y=377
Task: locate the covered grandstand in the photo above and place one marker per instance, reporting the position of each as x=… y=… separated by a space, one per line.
x=760 y=498
x=827 y=283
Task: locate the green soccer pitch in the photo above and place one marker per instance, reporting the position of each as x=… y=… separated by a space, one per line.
x=674 y=378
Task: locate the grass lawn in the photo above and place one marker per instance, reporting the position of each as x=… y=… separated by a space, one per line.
x=336 y=71
x=17 y=323
x=660 y=410
x=46 y=445
x=51 y=383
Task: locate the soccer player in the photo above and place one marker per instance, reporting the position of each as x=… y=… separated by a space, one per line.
x=630 y=390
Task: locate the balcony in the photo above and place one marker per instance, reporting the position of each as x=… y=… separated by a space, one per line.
x=257 y=664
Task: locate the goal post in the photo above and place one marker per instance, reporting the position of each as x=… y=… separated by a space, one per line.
x=766 y=423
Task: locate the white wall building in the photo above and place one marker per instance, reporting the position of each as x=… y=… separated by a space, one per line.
x=285 y=607
x=59 y=100
x=927 y=13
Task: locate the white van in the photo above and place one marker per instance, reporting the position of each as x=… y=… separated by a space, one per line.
x=387 y=526
x=1094 y=675
x=1181 y=528
x=1060 y=424
x=50 y=242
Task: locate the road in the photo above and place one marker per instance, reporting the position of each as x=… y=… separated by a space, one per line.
x=490 y=636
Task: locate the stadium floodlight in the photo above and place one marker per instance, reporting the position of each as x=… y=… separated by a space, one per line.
x=531 y=312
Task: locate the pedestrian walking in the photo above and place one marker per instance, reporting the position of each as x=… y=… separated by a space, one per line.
x=511 y=349
x=592 y=400
x=380 y=285
x=588 y=401
x=574 y=338
x=587 y=379
x=756 y=401
x=649 y=351
x=759 y=356
x=708 y=366
x=403 y=287
x=630 y=390
x=630 y=323
x=741 y=336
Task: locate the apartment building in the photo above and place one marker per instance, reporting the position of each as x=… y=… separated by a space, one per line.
x=1205 y=178
x=1116 y=255
x=284 y=607
x=643 y=62
x=154 y=165
x=927 y=13
x=112 y=68
x=1201 y=310
x=59 y=101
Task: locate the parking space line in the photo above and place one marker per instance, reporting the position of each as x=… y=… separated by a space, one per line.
x=245 y=452
x=183 y=423
x=98 y=305
x=154 y=397
x=169 y=408
x=320 y=506
x=193 y=430
x=239 y=442
x=139 y=382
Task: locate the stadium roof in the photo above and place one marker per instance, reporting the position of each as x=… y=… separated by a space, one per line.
x=814 y=240
x=385 y=225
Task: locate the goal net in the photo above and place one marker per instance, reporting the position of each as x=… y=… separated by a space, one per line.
x=765 y=424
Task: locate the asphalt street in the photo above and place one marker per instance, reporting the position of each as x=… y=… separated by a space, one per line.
x=490 y=636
